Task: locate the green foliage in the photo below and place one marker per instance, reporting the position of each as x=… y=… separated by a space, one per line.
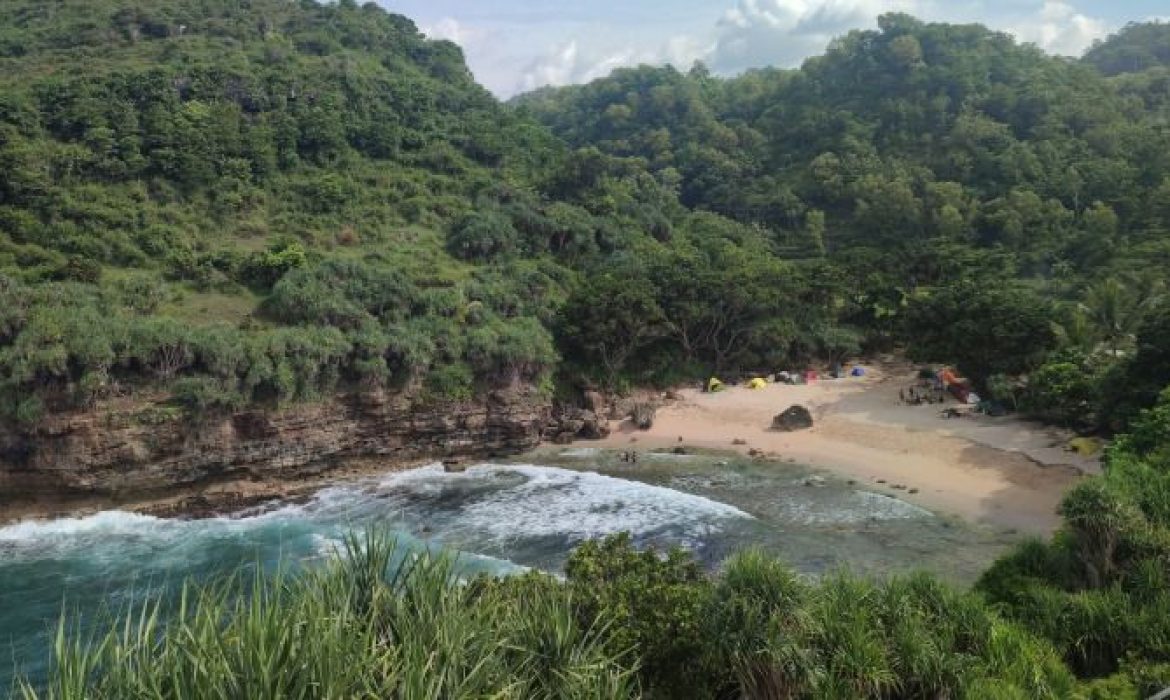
x=1137 y=47
x=984 y=330
x=655 y=603
x=1099 y=591
x=757 y=630
x=1063 y=393
x=375 y=622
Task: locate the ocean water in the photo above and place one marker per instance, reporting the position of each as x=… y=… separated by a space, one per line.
x=499 y=517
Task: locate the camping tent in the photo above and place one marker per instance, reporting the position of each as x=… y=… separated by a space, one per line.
x=857 y=372
x=714 y=385
x=757 y=383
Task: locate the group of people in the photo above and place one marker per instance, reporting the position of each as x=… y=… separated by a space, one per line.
x=630 y=457
x=922 y=394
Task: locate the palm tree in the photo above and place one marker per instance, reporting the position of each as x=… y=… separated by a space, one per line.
x=1117 y=307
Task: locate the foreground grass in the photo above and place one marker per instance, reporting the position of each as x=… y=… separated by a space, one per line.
x=370 y=625
x=380 y=623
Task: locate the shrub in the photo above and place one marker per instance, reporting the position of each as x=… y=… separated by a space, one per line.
x=1063 y=393
x=202 y=396
x=264 y=269
x=483 y=235
x=451 y=382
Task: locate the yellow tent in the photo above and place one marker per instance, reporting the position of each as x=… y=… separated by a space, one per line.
x=714 y=385
x=757 y=383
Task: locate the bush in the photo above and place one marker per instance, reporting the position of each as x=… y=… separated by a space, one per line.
x=656 y=603
x=203 y=396
x=483 y=236
x=1063 y=393
x=264 y=269
x=451 y=382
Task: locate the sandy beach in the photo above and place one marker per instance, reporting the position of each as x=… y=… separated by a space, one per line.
x=1001 y=472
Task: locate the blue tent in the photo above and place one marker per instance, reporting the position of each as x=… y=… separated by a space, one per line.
x=857 y=372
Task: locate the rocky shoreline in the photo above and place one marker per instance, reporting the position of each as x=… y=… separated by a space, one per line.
x=135 y=454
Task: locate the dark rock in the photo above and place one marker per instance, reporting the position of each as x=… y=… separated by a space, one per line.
x=593 y=428
x=795 y=417
x=565 y=438
x=454 y=466
x=572 y=426
x=595 y=402
x=643 y=415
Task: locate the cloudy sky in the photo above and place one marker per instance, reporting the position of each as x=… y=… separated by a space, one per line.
x=518 y=45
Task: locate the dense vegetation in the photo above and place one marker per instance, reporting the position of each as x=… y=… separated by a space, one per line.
x=948 y=189
x=265 y=202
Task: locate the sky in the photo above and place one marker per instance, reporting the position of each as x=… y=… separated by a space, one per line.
x=514 y=46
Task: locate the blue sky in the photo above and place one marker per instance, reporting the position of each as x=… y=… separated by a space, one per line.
x=517 y=45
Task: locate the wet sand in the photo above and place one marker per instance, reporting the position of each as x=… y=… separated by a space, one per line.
x=1002 y=472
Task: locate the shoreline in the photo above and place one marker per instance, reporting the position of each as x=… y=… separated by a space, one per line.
x=1004 y=473
x=1001 y=472
x=205 y=500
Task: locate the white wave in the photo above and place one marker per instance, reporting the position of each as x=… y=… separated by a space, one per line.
x=111 y=522
x=554 y=502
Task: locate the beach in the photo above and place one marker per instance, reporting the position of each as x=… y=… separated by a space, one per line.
x=1002 y=472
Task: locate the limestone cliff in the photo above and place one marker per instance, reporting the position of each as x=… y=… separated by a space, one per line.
x=137 y=446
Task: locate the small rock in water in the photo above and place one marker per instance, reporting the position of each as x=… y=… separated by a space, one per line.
x=851 y=482
x=881 y=481
x=913 y=490
x=815 y=481
x=721 y=463
x=680 y=450
x=738 y=441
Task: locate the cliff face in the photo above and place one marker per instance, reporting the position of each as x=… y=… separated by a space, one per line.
x=134 y=446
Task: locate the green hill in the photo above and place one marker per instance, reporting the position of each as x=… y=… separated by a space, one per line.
x=1136 y=48
x=267 y=201
x=928 y=165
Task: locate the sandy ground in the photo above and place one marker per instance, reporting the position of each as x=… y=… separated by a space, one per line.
x=1001 y=472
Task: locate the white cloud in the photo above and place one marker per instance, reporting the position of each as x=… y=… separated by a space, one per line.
x=754 y=33
x=569 y=64
x=1059 y=28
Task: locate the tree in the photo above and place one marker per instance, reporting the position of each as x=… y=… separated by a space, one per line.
x=985 y=331
x=611 y=317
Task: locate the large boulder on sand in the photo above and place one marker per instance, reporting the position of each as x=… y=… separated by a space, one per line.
x=643 y=415
x=795 y=417
x=594 y=427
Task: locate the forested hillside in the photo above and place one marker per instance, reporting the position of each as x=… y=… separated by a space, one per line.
x=976 y=199
x=264 y=202
x=254 y=202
